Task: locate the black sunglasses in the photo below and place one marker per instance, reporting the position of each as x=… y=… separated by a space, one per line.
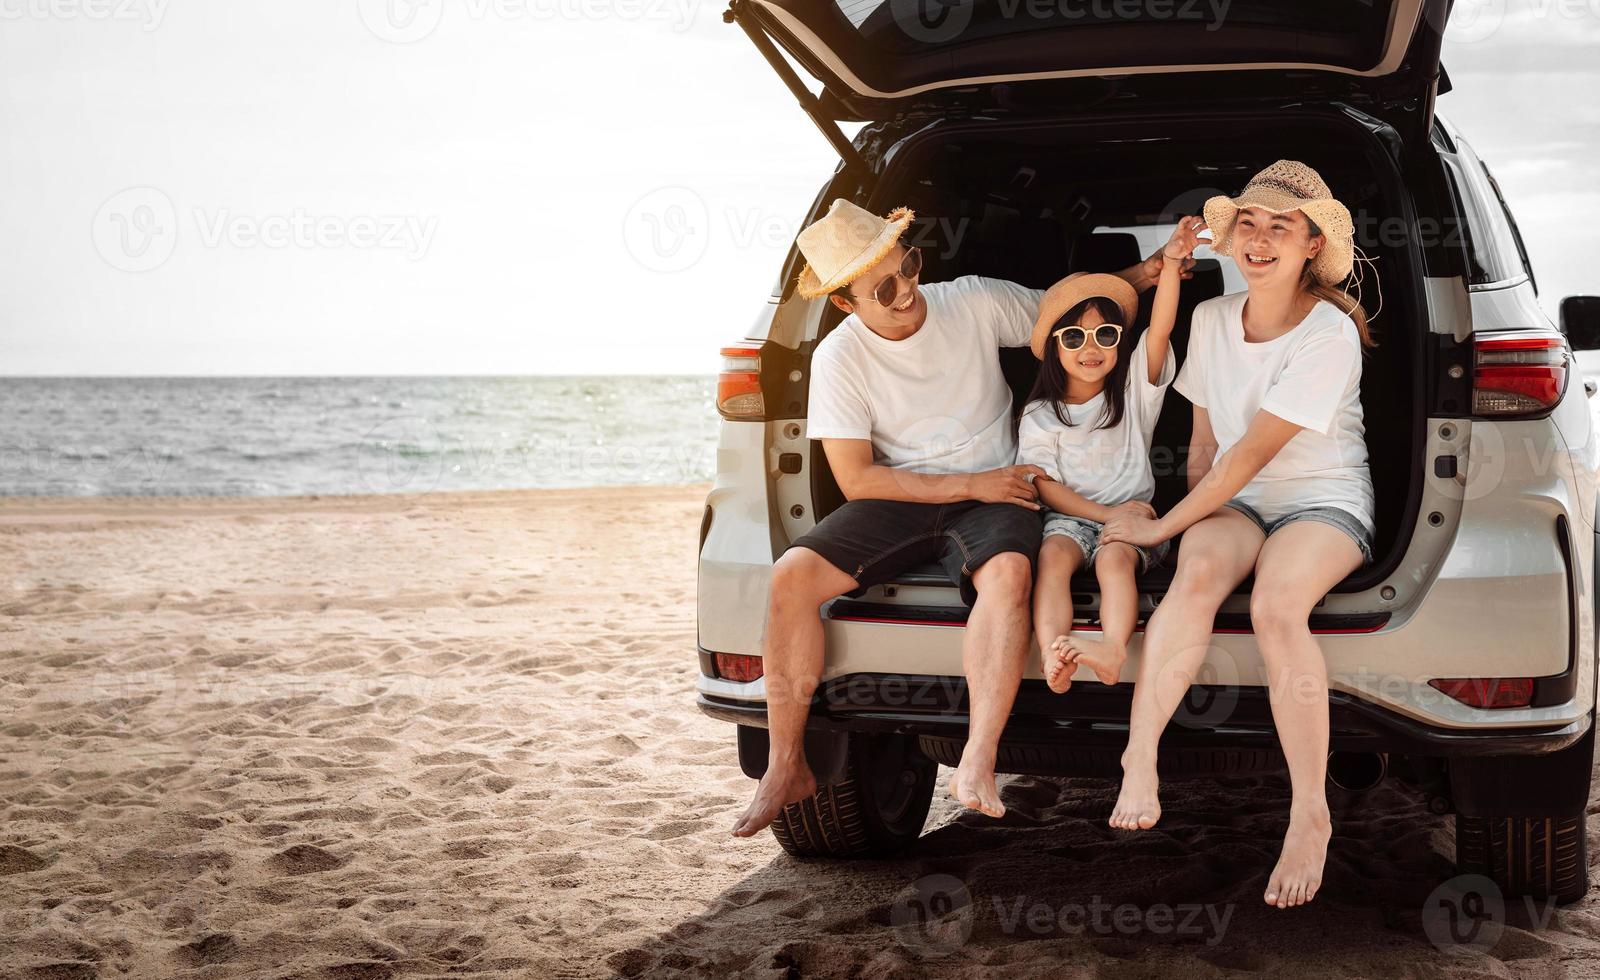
x=888 y=291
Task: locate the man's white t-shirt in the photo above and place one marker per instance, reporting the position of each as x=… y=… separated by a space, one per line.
x=1310 y=376
x=1108 y=466
x=937 y=401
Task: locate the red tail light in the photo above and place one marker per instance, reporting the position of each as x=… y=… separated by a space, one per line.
x=739 y=385
x=1517 y=375
x=1487 y=692
x=737 y=666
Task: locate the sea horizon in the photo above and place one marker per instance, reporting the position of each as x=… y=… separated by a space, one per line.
x=314 y=435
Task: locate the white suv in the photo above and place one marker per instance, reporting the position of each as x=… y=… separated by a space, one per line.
x=1461 y=660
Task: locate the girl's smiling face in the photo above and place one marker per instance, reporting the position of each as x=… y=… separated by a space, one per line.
x=1091 y=363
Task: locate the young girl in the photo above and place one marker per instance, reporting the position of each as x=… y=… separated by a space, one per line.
x=1087 y=424
x=1278 y=486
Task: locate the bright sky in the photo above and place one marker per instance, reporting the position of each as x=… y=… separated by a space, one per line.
x=480 y=186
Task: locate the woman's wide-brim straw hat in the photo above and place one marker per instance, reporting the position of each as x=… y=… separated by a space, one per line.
x=1074 y=289
x=844 y=243
x=1290 y=185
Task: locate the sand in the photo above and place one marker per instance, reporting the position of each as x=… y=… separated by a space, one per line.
x=454 y=734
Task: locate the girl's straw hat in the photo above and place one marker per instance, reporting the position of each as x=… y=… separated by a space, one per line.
x=1289 y=185
x=1074 y=289
x=844 y=243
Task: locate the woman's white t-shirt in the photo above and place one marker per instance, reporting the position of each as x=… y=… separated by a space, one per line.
x=1108 y=466
x=937 y=401
x=1310 y=376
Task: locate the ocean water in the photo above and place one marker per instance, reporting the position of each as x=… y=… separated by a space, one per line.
x=291 y=436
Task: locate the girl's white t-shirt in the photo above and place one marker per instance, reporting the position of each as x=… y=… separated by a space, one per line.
x=1310 y=376
x=1108 y=466
x=937 y=401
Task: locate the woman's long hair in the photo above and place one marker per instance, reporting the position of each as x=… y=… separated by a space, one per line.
x=1336 y=295
x=1051 y=383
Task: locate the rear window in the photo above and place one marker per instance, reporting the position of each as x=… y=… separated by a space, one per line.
x=1493 y=248
x=1154 y=237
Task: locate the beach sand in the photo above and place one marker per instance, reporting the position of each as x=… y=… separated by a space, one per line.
x=454 y=734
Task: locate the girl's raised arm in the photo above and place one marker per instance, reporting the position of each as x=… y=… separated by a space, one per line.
x=1164 y=314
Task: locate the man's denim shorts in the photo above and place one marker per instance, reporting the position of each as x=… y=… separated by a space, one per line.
x=1338 y=517
x=1086 y=535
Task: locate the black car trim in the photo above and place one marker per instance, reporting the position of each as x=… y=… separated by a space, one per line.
x=1097 y=715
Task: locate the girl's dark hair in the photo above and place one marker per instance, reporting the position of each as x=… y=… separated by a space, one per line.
x=1051 y=383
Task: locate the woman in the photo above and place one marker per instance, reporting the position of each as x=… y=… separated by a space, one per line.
x=1278 y=485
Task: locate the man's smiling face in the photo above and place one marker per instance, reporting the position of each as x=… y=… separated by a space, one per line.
x=906 y=313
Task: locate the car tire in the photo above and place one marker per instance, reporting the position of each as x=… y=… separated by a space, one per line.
x=878 y=808
x=1542 y=858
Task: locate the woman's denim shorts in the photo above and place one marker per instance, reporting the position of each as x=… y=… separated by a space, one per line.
x=1338 y=517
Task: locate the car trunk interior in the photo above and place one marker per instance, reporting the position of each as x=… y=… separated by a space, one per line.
x=1032 y=203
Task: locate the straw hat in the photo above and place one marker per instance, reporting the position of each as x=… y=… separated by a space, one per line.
x=1074 y=289
x=844 y=243
x=1289 y=185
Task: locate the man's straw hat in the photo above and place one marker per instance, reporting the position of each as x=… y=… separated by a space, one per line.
x=1289 y=185
x=1074 y=289
x=844 y=243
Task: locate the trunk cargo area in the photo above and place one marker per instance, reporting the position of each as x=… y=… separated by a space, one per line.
x=1031 y=202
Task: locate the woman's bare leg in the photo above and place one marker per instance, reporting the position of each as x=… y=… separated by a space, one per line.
x=1059 y=559
x=1297 y=567
x=1214 y=556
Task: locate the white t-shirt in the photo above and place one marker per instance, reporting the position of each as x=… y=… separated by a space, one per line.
x=1310 y=376
x=937 y=401
x=1108 y=466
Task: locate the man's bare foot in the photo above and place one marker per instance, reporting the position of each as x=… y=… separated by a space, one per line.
x=1305 y=847
x=1138 y=804
x=974 y=787
x=1058 y=666
x=779 y=787
x=1102 y=656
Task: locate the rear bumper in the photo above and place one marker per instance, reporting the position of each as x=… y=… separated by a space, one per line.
x=1096 y=716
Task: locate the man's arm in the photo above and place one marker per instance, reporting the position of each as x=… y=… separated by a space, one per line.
x=861 y=479
x=1143 y=275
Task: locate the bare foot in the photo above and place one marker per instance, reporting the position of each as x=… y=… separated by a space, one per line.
x=1305 y=847
x=1138 y=805
x=973 y=785
x=1102 y=656
x=1058 y=666
x=779 y=787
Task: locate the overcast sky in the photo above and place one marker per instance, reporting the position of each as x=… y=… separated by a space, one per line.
x=478 y=186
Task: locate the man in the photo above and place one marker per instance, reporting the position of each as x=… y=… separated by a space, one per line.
x=912 y=409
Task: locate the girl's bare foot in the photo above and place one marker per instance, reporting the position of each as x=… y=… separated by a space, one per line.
x=1102 y=656
x=1058 y=666
x=1305 y=848
x=974 y=787
x=1138 y=804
